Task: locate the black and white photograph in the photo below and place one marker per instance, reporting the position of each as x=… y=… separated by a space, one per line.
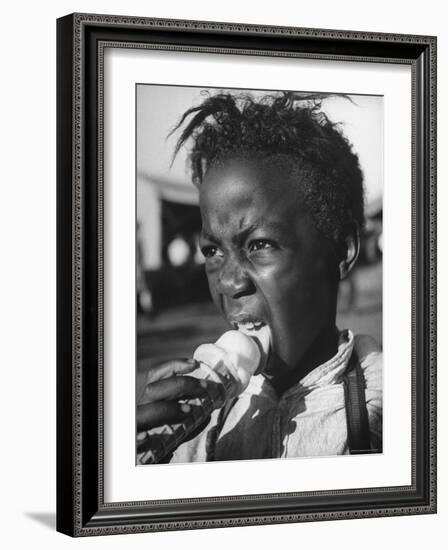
x=259 y=244
x=246 y=275
x=223 y=261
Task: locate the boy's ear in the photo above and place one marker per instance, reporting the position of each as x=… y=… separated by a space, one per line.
x=349 y=246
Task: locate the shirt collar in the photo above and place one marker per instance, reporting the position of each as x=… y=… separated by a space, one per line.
x=323 y=375
x=330 y=371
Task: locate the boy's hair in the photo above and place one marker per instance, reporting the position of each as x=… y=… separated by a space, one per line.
x=291 y=130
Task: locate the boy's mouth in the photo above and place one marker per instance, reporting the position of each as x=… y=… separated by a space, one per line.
x=246 y=322
x=249 y=327
x=260 y=331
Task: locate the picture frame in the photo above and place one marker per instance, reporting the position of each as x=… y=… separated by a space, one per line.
x=81 y=506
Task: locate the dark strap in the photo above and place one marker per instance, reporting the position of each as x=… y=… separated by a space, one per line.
x=358 y=430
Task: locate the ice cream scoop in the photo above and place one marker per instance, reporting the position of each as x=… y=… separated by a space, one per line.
x=240 y=354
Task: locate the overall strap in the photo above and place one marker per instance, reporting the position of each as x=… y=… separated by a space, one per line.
x=358 y=430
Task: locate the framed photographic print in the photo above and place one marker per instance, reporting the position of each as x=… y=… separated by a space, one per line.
x=246 y=274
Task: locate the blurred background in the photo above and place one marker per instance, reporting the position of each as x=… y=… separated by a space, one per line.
x=174 y=310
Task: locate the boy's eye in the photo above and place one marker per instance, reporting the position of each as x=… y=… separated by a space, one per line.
x=211 y=251
x=260 y=244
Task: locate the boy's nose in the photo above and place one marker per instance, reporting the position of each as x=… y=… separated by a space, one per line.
x=233 y=280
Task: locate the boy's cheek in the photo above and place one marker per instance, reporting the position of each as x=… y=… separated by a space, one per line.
x=213 y=291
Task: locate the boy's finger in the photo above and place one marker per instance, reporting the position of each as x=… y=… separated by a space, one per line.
x=170 y=368
x=151 y=415
x=176 y=387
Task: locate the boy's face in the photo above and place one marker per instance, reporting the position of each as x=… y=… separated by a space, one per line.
x=266 y=262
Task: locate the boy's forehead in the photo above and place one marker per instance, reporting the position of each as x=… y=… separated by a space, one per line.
x=243 y=197
x=247 y=180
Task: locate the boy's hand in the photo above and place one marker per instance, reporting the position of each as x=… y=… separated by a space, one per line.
x=166 y=384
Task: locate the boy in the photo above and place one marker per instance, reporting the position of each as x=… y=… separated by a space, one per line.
x=281 y=200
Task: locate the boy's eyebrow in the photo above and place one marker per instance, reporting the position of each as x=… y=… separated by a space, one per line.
x=271 y=225
x=206 y=235
x=244 y=233
x=276 y=226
